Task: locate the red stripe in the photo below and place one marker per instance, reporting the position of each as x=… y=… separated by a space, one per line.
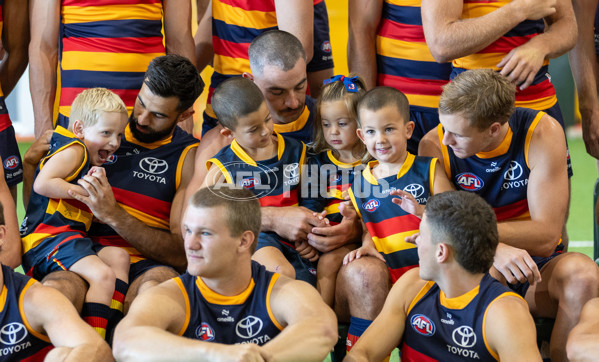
x=536 y=91
x=397 y=273
x=114 y=45
x=55 y=230
x=210 y=93
x=229 y=48
x=4 y=121
x=512 y=210
x=118 y=296
x=410 y=355
x=96 y=322
x=392 y=226
x=428 y=87
x=107 y=2
x=342 y=187
x=403 y=32
x=111 y=240
x=288 y=198
x=506 y=44
x=39 y=355
x=148 y=205
x=250 y=5
x=67 y=95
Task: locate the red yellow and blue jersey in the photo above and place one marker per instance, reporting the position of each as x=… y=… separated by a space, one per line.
x=50 y=220
x=144 y=179
x=404 y=61
x=450 y=329
x=243 y=318
x=541 y=94
x=19 y=342
x=327 y=182
x=499 y=176
x=109 y=44
x=275 y=182
x=386 y=222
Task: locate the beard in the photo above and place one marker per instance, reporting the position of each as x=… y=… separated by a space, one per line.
x=149 y=136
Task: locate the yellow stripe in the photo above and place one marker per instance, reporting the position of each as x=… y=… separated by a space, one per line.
x=458 y=302
x=222 y=169
x=332 y=208
x=529 y=133
x=246 y=18
x=415 y=3
x=506 y=294
x=337 y=194
x=66 y=133
x=338 y=163
x=367 y=172
x=444 y=152
x=403 y=50
x=181 y=162
x=432 y=175
x=187 y=308
x=240 y=152
x=3 y=298
x=24 y=317
x=149 y=220
x=32 y=240
x=215 y=298
x=107 y=61
x=423 y=100
x=407 y=164
x=476 y=10
x=393 y=243
x=501 y=149
x=353 y=201
x=482 y=61
x=115 y=304
x=130 y=138
x=69 y=212
x=271 y=285
x=296 y=125
x=86 y=14
x=425 y=288
x=231 y=66
x=540 y=104
x=281 y=147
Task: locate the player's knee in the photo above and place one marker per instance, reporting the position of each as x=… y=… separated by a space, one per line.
x=365 y=275
x=69 y=284
x=579 y=277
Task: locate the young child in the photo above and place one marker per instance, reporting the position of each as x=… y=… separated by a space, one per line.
x=54 y=231
x=338 y=154
x=385 y=127
x=266 y=163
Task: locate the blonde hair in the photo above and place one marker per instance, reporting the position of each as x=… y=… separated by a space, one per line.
x=88 y=105
x=337 y=91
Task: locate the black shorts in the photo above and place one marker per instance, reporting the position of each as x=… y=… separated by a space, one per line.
x=522 y=288
x=323 y=56
x=11 y=157
x=304 y=269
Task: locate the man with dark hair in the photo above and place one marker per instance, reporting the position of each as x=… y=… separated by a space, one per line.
x=451 y=308
x=226 y=306
x=137 y=199
x=515 y=159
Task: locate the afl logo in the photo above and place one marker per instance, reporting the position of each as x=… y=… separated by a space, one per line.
x=371 y=205
x=423 y=325
x=334 y=178
x=205 y=333
x=153 y=165
x=11 y=162
x=110 y=160
x=514 y=172
x=326 y=46
x=469 y=181
x=12 y=333
x=415 y=189
x=249 y=183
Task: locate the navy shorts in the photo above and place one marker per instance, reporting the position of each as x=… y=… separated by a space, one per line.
x=323 y=56
x=304 y=269
x=11 y=157
x=522 y=288
x=137 y=269
x=55 y=254
x=425 y=119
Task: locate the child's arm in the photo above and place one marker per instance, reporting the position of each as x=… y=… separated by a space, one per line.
x=367 y=248
x=51 y=180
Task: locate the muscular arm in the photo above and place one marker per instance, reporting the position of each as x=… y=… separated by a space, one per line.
x=43 y=55
x=15 y=40
x=582 y=340
x=510 y=330
x=10 y=253
x=449 y=36
x=177 y=28
x=363 y=20
x=203 y=37
x=310 y=325
x=50 y=313
x=297 y=18
x=386 y=331
x=583 y=61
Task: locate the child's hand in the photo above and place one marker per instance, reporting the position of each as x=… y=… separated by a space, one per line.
x=364 y=250
x=322 y=217
x=407 y=202
x=306 y=251
x=93 y=170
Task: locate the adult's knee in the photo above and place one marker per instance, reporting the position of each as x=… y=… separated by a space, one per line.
x=578 y=277
x=365 y=275
x=68 y=283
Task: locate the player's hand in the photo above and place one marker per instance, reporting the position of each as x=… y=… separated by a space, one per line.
x=293 y=223
x=522 y=64
x=38 y=149
x=247 y=352
x=536 y=9
x=516 y=265
x=306 y=251
x=364 y=250
x=101 y=199
x=590 y=132
x=412 y=238
x=407 y=202
x=326 y=238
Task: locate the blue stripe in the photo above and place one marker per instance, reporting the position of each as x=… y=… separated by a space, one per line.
x=218 y=78
x=91 y=79
x=412 y=68
x=134 y=28
x=540 y=77
x=235 y=33
x=402 y=14
x=527 y=27
x=402 y=258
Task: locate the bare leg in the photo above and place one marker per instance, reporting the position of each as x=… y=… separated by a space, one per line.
x=69 y=284
x=326 y=272
x=147 y=280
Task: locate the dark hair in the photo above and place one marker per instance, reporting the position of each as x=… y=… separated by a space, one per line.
x=2 y=222
x=481 y=96
x=242 y=208
x=275 y=47
x=234 y=98
x=173 y=75
x=468 y=224
x=380 y=97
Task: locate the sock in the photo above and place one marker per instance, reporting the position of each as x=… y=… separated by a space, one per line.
x=116 y=308
x=96 y=315
x=357 y=326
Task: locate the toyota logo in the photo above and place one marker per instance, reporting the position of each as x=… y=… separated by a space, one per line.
x=13 y=333
x=248 y=327
x=291 y=171
x=464 y=336
x=415 y=189
x=153 y=165
x=514 y=172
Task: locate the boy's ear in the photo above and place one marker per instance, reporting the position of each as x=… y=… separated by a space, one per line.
x=495 y=128
x=409 y=127
x=246 y=241
x=78 y=128
x=226 y=132
x=186 y=114
x=248 y=76
x=360 y=134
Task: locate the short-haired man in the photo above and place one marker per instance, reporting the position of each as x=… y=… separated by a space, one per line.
x=38 y=323
x=515 y=158
x=138 y=198
x=451 y=308
x=226 y=305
